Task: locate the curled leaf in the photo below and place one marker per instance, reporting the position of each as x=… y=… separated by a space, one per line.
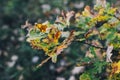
x=108 y=53
x=101 y=3
x=27 y=25
x=65 y=18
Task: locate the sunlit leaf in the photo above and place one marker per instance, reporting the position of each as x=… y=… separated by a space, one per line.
x=54 y=58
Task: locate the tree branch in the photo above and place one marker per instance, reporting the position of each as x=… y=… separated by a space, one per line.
x=91 y=45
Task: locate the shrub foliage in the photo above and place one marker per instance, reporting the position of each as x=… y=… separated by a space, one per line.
x=97 y=29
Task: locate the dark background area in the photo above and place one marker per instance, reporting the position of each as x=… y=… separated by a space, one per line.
x=17 y=58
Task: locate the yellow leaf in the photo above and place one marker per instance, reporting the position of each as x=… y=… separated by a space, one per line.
x=86 y=11
x=115 y=67
x=54 y=58
x=41 y=27
x=57 y=36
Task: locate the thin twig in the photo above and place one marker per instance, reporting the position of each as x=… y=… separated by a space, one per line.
x=44 y=61
x=92 y=45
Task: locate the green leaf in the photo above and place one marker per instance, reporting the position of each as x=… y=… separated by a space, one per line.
x=35 y=35
x=87 y=19
x=107 y=5
x=86 y=59
x=85 y=76
x=99 y=66
x=111 y=36
x=92 y=50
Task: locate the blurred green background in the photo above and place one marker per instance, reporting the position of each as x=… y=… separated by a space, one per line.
x=17 y=58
